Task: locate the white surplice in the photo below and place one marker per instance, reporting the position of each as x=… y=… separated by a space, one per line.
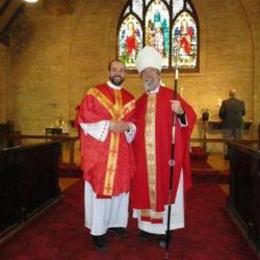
x=177 y=215
x=101 y=214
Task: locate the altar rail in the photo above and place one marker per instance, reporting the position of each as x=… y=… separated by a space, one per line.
x=17 y=139
x=28 y=183
x=216 y=124
x=244 y=194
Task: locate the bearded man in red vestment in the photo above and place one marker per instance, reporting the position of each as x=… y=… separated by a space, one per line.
x=155 y=112
x=105 y=118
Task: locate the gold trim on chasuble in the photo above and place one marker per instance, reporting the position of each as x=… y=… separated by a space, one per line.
x=150 y=151
x=117 y=111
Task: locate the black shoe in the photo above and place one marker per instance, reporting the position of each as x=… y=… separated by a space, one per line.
x=100 y=242
x=122 y=232
x=145 y=235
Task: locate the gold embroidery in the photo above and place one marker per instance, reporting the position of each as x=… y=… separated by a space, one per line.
x=128 y=107
x=111 y=164
x=103 y=100
x=150 y=149
x=151 y=214
x=117 y=112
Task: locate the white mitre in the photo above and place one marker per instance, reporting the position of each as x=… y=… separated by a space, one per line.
x=148 y=57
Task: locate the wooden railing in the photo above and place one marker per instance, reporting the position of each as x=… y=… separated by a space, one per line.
x=17 y=140
x=259 y=135
x=29 y=183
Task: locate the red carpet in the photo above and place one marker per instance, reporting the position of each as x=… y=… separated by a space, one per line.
x=59 y=233
x=67 y=171
x=203 y=172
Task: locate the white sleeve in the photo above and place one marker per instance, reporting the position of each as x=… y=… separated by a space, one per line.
x=130 y=135
x=98 y=130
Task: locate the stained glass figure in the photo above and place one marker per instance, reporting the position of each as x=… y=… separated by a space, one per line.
x=130 y=40
x=184 y=41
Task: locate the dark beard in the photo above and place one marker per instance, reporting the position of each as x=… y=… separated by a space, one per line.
x=117 y=80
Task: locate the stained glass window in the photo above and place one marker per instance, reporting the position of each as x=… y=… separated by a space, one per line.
x=147 y=2
x=138 y=8
x=157 y=29
x=184 y=41
x=170 y=26
x=189 y=7
x=130 y=40
x=177 y=7
x=127 y=10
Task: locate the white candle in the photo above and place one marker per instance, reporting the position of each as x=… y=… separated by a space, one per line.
x=219 y=101
x=181 y=92
x=176 y=73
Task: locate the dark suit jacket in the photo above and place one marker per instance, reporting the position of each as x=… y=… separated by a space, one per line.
x=231 y=112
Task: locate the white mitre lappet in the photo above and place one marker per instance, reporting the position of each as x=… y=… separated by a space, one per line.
x=148 y=57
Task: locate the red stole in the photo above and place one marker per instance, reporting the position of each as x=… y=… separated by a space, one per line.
x=150 y=186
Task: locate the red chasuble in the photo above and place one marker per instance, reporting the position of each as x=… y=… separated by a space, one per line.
x=108 y=166
x=152 y=149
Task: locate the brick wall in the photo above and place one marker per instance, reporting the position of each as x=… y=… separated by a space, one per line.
x=59 y=50
x=252 y=10
x=4 y=67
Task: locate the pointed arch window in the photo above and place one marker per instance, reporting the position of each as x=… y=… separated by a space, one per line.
x=170 y=26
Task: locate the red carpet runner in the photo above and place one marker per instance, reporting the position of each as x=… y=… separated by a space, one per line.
x=59 y=233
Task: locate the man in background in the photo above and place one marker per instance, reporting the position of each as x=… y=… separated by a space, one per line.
x=231 y=112
x=105 y=118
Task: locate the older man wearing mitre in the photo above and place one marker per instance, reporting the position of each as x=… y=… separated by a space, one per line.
x=155 y=111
